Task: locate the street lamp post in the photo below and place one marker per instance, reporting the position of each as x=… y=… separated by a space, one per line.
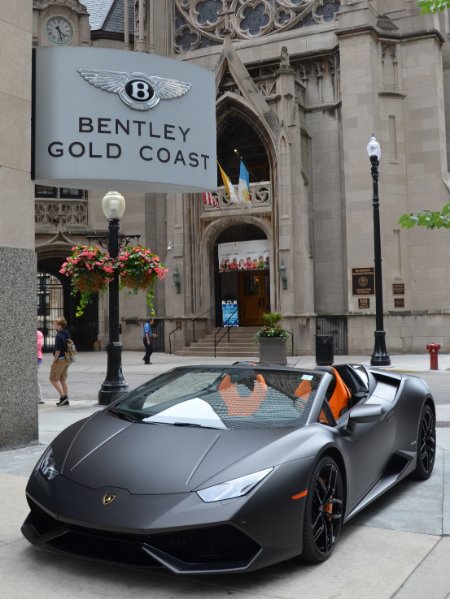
x=380 y=357
x=114 y=385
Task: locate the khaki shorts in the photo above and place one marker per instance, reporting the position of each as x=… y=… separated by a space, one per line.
x=58 y=371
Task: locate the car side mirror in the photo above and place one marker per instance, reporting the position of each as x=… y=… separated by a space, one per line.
x=364 y=414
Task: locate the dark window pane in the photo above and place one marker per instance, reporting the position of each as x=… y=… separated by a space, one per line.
x=43 y=191
x=67 y=193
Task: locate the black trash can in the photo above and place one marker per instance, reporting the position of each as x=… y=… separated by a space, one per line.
x=324 y=350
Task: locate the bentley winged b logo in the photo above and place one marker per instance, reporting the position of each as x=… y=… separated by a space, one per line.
x=137 y=90
x=108 y=498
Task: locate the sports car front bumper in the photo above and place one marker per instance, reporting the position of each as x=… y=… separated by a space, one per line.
x=177 y=531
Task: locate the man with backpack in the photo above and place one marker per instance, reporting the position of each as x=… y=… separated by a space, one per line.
x=60 y=365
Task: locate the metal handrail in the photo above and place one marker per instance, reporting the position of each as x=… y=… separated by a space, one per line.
x=227 y=332
x=185 y=324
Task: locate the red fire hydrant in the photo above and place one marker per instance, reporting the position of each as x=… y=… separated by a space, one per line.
x=433 y=349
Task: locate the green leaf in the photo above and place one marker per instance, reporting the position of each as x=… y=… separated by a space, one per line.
x=431 y=6
x=408 y=221
x=427 y=218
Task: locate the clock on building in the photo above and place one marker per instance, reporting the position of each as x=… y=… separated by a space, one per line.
x=59 y=30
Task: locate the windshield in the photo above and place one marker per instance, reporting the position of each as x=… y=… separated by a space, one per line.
x=223 y=398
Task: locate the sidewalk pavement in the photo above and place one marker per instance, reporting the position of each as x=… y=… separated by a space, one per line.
x=399 y=547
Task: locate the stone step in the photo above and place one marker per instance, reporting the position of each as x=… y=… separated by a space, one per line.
x=233 y=336
x=220 y=353
x=241 y=344
x=209 y=351
x=210 y=343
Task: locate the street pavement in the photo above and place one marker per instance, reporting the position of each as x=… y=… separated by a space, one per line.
x=398 y=548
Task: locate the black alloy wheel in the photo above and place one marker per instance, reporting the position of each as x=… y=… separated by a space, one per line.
x=426 y=444
x=323 y=511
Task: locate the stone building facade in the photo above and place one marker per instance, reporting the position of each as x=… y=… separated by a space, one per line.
x=18 y=380
x=301 y=86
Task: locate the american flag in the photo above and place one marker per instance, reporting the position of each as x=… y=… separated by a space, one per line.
x=210 y=200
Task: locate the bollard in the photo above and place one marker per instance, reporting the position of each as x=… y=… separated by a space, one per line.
x=433 y=349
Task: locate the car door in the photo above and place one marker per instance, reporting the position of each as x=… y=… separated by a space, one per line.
x=367 y=448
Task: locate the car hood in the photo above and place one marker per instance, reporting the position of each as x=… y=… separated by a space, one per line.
x=107 y=451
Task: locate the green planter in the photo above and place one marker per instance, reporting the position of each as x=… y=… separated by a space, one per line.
x=273 y=350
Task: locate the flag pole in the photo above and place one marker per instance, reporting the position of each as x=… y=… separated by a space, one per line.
x=236 y=151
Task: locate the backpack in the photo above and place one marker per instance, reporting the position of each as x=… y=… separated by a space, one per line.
x=71 y=351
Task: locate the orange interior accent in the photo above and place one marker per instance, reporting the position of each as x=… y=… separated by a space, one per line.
x=303 y=390
x=238 y=405
x=300 y=495
x=340 y=397
x=322 y=418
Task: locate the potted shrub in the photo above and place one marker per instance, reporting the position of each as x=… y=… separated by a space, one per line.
x=272 y=339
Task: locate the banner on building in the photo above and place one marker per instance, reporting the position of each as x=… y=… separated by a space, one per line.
x=130 y=121
x=244 y=255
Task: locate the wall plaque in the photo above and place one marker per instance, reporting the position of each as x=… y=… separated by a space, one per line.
x=399 y=302
x=363 y=303
x=398 y=288
x=363 y=281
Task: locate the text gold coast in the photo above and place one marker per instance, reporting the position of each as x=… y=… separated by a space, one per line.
x=126 y=128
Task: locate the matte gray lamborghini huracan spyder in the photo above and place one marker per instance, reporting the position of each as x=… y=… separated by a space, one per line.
x=230 y=468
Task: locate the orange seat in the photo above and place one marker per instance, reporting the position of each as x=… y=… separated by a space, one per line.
x=340 y=396
x=238 y=405
x=303 y=392
x=304 y=389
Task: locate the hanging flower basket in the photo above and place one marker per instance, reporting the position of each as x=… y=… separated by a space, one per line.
x=94 y=283
x=136 y=282
x=90 y=270
x=139 y=270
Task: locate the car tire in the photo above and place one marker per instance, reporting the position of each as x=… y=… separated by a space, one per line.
x=324 y=511
x=426 y=444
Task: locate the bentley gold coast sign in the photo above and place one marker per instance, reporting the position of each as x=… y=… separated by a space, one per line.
x=133 y=120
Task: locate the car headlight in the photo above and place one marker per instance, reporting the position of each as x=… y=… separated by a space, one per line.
x=47 y=467
x=233 y=488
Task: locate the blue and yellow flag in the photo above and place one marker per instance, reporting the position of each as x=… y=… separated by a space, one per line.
x=244 y=185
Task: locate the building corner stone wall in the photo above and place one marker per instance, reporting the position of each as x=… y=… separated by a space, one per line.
x=18 y=360
x=18 y=372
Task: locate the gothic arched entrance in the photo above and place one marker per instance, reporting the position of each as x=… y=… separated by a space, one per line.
x=55 y=299
x=242 y=273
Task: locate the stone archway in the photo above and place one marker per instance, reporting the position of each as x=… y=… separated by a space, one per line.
x=55 y=299
x=50 y=257
x=246 y=280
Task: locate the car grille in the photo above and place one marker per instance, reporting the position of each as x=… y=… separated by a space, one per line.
x=202 y=549
x=215 y=545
